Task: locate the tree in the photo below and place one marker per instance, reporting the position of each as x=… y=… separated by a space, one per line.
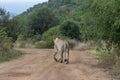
x=12 y=29
x=4 y=18
x=101 y=20
x=9 y=25
x=5 y=41
x=41 y=20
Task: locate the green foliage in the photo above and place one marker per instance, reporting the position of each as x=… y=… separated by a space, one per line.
x=102 y=19
x=52 y=4
x=9 y=55
x=110 y=59
x=9 y=25
x=70 y=29
x=41 y=20
x=8 y=34
x=48 y=36
x=47 y=43
x=116 y=69
x=4 y=18
x=12 y=29
x=23 y=42
x=5 y=42
x=41 y=17
x=106 y=59
x=36 y=37
x=21 y=26
x=53 y=32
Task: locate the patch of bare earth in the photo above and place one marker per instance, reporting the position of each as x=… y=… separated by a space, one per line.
x=38 y=64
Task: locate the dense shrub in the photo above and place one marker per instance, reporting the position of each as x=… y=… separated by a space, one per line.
x=106 y=59
x=116 y=69
x=48 y=36
x=101 y=22
x=70 y=29
x=6 y=45
x=41 y=19
x=48 y=43
x=53 y=32
x=9 y=55
x=5 y=42
x=23 y=42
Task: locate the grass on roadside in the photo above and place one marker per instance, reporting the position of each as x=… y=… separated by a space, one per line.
x=109 y=60
x=9 y=55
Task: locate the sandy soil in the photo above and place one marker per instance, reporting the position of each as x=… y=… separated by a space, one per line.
x=38 y=64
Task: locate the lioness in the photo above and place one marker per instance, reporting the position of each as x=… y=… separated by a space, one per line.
x=61 y=47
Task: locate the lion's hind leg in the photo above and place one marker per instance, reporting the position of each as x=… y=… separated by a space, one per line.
x=66 y=60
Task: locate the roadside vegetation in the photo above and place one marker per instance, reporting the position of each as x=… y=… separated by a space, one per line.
x=7 y=38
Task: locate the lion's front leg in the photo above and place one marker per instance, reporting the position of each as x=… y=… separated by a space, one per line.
x=55 y=57
x=55 y=53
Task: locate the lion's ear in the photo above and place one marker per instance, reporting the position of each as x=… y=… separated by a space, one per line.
x=57 y=38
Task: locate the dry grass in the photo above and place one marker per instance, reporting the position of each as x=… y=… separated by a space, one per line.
x=109 y=60
x=85 y=45
x=23 y=44
x=9 y=55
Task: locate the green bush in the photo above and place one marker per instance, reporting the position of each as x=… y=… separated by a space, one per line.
x=6 y=45
x=53 y=32
x=106 y=59
x=48 y=36
x=23 y=42
x=36 y=38
x=70 y=29
x=5 y=42
x=110 y=59
x=116 y=69
x=9 y=55
x=41 y=19
x=48 y=43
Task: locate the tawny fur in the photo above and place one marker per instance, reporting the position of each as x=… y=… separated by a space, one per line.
x=61 y=47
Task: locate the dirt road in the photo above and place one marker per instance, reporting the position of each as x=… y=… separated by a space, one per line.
x=38 y=64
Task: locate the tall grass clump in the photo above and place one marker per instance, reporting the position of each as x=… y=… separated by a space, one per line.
x=6 y=48
x=109 y=58
x=27 y=42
